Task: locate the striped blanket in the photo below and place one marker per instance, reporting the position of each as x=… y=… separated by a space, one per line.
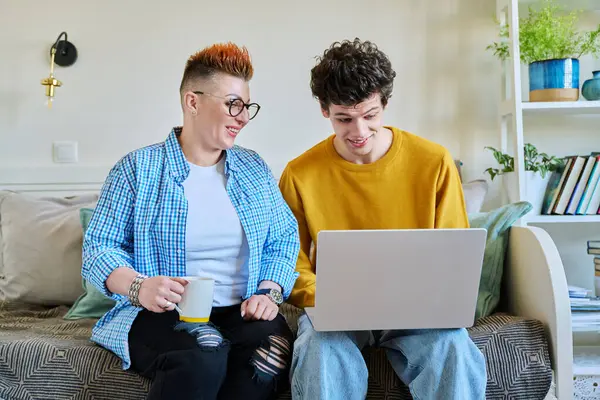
x=43 y=356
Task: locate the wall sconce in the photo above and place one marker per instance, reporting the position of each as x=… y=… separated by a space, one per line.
x=63 y=53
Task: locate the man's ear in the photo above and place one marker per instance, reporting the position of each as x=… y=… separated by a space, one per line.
x=325 y=112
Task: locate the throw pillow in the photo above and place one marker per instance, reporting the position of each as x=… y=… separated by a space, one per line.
x=92 y=303
x=498 y=223
x=41 y=248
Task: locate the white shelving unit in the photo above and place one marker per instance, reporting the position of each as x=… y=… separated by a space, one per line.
x=513 y=112
x=564 y=219
x=554 y=108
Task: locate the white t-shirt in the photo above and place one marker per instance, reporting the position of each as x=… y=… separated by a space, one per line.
x=216 y=245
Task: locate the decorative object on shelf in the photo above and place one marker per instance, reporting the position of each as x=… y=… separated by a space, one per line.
x=64 y=54
x=554 y=80
x=551 y=46
x=537 y=174
x=535 y=162
x=535 y=188
x=591 y=87
x=586 y=387
x=586 y=372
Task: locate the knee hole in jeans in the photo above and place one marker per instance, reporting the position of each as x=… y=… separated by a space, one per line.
x=206 y=334
x=272 y=358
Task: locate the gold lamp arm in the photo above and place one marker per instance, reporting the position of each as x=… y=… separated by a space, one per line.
x=52 y=56
x=67 y=55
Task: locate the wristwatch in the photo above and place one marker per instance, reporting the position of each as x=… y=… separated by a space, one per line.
x=273 y=294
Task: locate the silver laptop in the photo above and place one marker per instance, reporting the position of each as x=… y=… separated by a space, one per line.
x=397 y=279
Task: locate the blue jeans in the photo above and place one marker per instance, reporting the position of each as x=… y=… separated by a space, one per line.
x=433 y=363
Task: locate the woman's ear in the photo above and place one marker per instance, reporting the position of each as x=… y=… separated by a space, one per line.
x=190 y=102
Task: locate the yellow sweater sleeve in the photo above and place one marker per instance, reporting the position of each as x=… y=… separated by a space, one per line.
x=450 y=211
x=303 y=294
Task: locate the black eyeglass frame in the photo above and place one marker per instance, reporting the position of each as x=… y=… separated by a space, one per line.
x=231 y=103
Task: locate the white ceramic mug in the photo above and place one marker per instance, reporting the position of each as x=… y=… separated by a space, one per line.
x=197 y=299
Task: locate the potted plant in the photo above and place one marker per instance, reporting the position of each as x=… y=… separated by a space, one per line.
x=551 y=46
x=538 y=168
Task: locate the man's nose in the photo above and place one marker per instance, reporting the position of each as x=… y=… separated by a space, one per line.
x=362 y=129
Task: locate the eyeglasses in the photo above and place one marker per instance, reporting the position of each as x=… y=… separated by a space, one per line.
x=236 y=106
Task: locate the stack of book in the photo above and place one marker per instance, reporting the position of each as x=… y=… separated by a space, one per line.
x=574 y=189
x=585 y=309
x=593 y=248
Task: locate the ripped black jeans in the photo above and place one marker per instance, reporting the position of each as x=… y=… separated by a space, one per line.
x=252 y=362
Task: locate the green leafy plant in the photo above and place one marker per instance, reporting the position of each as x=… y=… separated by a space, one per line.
x=535 y=161
x=549 y=33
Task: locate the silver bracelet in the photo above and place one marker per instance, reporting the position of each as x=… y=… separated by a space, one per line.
x=134 y=290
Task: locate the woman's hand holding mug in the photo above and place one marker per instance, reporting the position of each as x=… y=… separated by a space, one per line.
x=161 y=293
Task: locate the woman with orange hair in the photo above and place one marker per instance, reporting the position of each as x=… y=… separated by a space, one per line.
x=197 y=205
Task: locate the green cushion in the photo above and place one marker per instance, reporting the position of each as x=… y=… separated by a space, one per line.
x=498 y=223
x=92 y=303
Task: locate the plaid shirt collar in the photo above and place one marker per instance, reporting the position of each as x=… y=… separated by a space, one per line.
x=179 y=166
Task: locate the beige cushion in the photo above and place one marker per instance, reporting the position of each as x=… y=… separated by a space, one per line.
x=40 y=248
x=474 y=192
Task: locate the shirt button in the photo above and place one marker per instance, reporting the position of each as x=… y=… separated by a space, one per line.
x=181 y=211
x=178 y=251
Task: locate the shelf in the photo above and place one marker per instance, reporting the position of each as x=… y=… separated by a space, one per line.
x=554 y=219
x=586 y=360
x=553 y=108
x=593 y=5
x=562 y=107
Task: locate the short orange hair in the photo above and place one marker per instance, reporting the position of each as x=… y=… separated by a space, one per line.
x=227 y=58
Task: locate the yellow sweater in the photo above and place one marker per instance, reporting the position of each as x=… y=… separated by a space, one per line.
x=414 y=185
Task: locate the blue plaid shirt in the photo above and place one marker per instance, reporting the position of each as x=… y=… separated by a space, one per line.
x=140 y=222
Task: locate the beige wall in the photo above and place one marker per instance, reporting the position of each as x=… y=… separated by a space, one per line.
x=122 y=92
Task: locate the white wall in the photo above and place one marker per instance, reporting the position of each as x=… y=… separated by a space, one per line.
x=123 y=91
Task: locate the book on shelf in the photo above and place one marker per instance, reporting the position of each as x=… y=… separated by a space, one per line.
x=594 y=249
x=585 y=309
x=585 y=305
x=574 y=189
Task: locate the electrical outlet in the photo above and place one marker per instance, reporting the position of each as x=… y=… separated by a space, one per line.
x=65 y=152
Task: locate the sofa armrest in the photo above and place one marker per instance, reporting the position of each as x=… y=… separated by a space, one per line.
x=536 y=287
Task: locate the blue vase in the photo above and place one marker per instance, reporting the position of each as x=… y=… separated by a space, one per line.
x=591 y=88
x=554 y=80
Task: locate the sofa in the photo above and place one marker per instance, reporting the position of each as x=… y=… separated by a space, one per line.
x=47 y=311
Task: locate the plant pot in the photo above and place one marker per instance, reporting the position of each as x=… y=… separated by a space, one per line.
x=535 y=188
x=554 y=80
x=509 y=182
x=591 y=88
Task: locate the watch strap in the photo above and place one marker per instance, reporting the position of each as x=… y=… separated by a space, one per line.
x=268 y=293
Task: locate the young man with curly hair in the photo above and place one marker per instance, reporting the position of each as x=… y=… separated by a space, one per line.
x=370 y=176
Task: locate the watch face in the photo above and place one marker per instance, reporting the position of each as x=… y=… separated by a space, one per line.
x=277 y=296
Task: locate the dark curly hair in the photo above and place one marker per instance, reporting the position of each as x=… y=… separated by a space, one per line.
x=349 y=72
